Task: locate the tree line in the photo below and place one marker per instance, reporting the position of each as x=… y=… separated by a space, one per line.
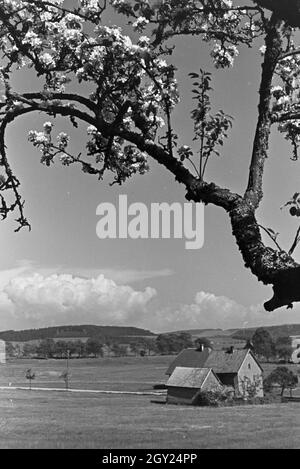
x=262 y=344
x=265 y=347
x=96 y=347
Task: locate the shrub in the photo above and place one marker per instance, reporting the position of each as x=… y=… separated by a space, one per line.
x=214 y=397
x=225 y=398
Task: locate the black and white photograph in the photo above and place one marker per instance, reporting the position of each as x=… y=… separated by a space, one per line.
x=149 y=227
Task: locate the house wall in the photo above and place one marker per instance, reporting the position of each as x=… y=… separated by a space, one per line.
x=250 y=372
x=2 y=352
x=295 y=340
x=296 y=348
x=211 y=383
x=295 y=358
x=178 y=395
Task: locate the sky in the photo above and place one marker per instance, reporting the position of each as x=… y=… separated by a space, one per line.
x=62 y=273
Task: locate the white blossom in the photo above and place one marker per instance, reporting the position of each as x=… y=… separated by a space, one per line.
x=32 y=39
x=47 y=59
x=140 y=23
x=263 y=49
x=224 y=56
x=91 y=130
x=37 y=138
x=48 y=127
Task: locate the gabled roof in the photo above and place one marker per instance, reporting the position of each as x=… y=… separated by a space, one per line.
x=189 y=357
x=226 y=362
x=220 y=361
x=186 y=377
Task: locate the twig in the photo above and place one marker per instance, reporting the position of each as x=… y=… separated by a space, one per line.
x=295 y=243
x=194 y=166
x=272 y=237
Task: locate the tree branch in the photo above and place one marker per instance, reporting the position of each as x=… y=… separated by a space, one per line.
x=285 y=116
x=289 y=54
x=254 y=193
x=12 y=182
x=61 y=97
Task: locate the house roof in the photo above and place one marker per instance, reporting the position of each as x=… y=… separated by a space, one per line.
x=226 y=362
x=220 y=361
x=189 y=357
x=186 y=377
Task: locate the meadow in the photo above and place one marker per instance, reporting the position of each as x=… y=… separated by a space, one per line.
x=53 y=419
x=124 y=373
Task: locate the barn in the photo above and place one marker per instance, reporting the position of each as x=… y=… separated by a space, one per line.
x=2 y=352
x=235 y=368
x=185 y=384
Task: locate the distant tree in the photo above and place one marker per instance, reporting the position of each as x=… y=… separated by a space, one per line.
x=173 y=342
x=119 y=350
x=153 y=345
x=136 y=347
x=164 y=343
x=94 y=347
x=46 y=348
x=263 y=344
x=61 y=348
x=17 y=350
x=143 y=346
x=10 y=349
x=80 y=348
x=30 y=375
x=71 y=347
x=283 y=377
x=66 y=374
x=283 y=346
x=202 y=341
x=29 y=349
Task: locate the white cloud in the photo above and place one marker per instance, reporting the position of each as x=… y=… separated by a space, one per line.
x=119 y=275
x=122 y=276
x=22 y=268
x=34 y=296
x=209 y=311
x=36 y=300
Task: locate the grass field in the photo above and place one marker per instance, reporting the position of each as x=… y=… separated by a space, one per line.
x=42 y=419
x=124 y=374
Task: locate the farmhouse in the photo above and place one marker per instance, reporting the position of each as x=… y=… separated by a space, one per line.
x=185 y=384
x=2 y=352
x=295 y=341
x=235 y=368
x=295 y=358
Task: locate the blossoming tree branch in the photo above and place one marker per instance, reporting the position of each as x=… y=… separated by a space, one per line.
x=124 y=90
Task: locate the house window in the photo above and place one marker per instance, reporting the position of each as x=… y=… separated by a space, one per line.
x=249 y=366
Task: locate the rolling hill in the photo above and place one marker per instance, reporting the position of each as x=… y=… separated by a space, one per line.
x=223 y=339
x=79 y=331
x=219 y=336
x=275 y=331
